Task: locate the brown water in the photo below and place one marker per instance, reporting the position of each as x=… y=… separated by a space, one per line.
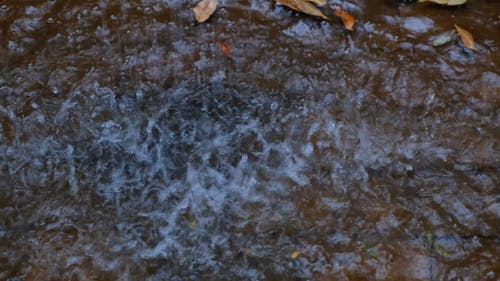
x=132 y=149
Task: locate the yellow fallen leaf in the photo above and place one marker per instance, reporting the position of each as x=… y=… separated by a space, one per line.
x=303 y=6
x=295 y=254
x=446 y=2
x=204 y=9
x=466 y=38
x=347 y=18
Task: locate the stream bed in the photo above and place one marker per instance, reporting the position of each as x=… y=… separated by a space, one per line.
x=133 y=148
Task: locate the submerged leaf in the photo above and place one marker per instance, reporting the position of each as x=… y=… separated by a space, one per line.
x=466 y=38
x=295 y=254
x=446 y=2
x=204 y=9
x=347 y=18
x=443 y=39
x=303 y=6
x=224 y=48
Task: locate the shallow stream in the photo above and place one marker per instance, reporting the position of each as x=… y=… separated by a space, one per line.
x=132 y=148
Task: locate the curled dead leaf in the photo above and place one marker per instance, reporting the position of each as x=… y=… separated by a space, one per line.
x=446 y=2
x=466 y=38
x=204 y=9
x=347 y=18
x=304 y=6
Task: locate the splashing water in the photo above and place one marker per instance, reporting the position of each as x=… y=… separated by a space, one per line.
x=131 y=148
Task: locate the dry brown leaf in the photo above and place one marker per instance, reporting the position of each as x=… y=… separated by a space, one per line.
x=466 y=38
x=204 y=9
x=347 y=18
x=303 y=6
x=446 y=2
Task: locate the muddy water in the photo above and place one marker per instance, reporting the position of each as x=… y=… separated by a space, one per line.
x=131 y=148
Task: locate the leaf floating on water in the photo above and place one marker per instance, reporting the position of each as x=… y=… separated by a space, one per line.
x=466 y=38
x=204 y=9
x=442 y=39
x=295 y=254
x=445 y=2
x=347 y=18
x=304 y=7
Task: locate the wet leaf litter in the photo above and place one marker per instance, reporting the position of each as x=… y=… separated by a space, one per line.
x=465 y=37
x=205 y=8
